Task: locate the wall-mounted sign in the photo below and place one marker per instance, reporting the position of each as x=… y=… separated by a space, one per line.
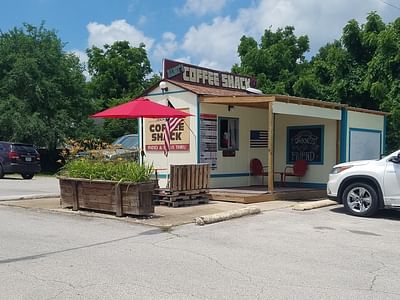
x=182 y=72
x=180 y=139
x=208 y=139
x=305 y=142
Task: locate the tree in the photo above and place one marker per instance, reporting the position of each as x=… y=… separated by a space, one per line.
x=276 y=62
x=362 y=70
x=119 y=73
x=42 y=88
x=383 y=78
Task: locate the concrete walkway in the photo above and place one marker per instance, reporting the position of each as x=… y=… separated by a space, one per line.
x=164 y=217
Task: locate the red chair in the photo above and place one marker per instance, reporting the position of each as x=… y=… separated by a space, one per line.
x=298 y=169
x=257 y=169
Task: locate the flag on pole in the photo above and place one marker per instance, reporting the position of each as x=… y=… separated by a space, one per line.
x=170 y=125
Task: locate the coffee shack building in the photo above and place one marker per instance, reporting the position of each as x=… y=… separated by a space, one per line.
x=233 y=123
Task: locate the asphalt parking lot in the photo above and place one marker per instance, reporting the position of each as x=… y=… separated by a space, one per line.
x=280 y=254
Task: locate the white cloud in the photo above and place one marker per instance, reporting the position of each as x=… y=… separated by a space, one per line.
x=201 y=7
x=322 y=21
x=83 y=58
x=118 y=30
x=168 y=46
x=142 y=20
x=184 y=59
x=215 y=44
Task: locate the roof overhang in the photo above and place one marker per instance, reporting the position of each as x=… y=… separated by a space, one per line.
x=262 y=101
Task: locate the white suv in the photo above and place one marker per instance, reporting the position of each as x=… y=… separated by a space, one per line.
x=367 y=185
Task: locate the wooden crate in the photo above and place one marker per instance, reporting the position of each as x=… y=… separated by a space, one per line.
x=188 y=185
x=189 y=177
x=109 y=196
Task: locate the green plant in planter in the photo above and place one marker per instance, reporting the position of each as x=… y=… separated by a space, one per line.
x=119 y=170
x=95 y=164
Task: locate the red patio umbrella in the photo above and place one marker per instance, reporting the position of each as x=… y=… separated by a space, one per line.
x=140 y=108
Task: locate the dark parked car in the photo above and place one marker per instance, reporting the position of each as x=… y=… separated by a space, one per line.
x=19 y=158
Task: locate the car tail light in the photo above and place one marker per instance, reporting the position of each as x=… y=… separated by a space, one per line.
x=13 y=155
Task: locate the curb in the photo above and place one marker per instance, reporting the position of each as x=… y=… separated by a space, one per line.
x=29 y=197
x=209 y=219
x=313 y=205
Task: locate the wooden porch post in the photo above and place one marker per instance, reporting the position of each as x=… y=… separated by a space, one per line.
x=270 y=148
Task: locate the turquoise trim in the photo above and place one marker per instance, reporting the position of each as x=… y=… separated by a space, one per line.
x=166 y=93
x=322 y=127
x=309 y=185
x=226 y=175
x=384 y=134
x=366 y=130
x=198 y=130
x=163 y=176
x=343 y=135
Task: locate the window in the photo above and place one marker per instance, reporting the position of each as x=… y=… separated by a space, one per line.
x=228 y=134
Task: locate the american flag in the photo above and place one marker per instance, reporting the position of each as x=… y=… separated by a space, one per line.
x=258 y=138
x=170 y=125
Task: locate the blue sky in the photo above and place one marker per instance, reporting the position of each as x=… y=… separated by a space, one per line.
x=201 y=32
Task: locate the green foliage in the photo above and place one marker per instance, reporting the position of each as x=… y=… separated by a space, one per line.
x=276 y=62
x=362 y=69
x=123 y=171
x=42 y=88
x=118 y=70
x=119 y=73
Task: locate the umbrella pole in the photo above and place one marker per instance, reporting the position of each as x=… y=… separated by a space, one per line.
x=141 y=136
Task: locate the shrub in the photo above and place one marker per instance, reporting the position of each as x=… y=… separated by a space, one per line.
x=119 y=170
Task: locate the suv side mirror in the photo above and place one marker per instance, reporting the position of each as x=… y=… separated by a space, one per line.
x=395 y=159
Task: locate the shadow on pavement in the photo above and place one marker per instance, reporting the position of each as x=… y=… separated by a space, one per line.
x=390 y=214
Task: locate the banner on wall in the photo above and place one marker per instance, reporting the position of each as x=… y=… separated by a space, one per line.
x=180 y=138
x=208 y=139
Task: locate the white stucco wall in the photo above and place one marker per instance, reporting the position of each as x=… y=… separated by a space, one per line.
x=233 y=171
x=317 y=174
x=181 y=99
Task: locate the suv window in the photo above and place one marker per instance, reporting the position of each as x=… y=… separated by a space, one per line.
x=23 y=148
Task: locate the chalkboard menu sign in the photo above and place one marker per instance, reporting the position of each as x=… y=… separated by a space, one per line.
x=305 y=142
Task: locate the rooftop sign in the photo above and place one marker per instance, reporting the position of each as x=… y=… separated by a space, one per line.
x=183 y=72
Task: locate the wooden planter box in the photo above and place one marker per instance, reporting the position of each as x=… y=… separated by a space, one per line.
x=109 y=196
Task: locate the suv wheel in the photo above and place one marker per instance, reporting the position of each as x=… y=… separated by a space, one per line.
x=27 y=175
x=1 y=171
x=360 y=199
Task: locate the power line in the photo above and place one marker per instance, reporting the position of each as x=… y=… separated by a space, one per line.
x=390 y=4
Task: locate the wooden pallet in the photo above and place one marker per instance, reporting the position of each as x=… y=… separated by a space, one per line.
x=171 y=193
x=182 y=202
x=188 y=186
